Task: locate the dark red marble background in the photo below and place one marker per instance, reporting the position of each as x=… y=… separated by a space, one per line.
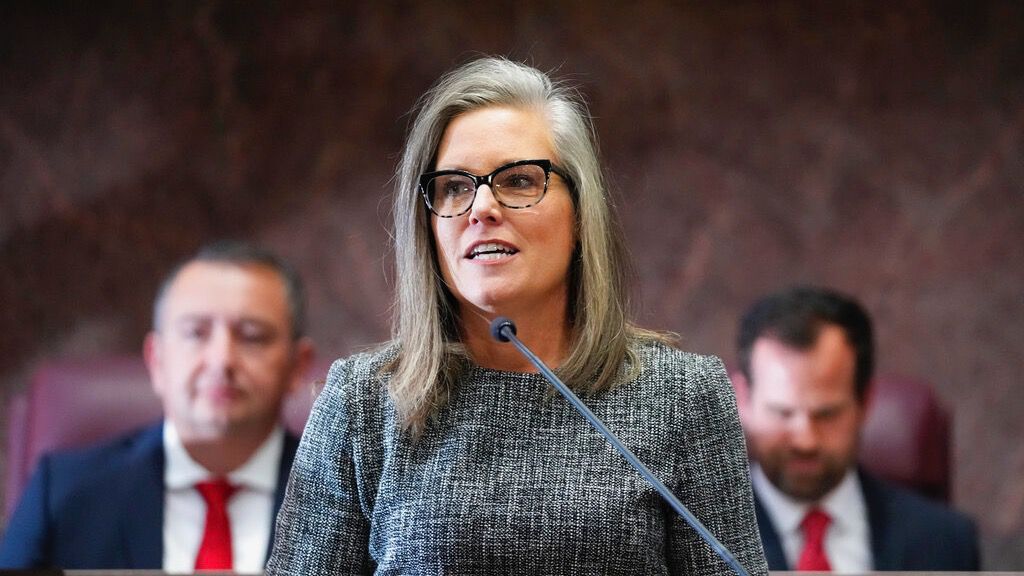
x=877 y=147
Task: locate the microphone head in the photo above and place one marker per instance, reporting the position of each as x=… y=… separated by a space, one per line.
x=498 y=327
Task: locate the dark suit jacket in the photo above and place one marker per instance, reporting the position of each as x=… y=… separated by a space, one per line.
x=908 y=532
x=101 y=507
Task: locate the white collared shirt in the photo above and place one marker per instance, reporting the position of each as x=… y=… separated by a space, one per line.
x=250 y=510
x=848 y=539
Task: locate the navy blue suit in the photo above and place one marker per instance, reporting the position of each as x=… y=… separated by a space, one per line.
x=101 y=507
x=908 y=532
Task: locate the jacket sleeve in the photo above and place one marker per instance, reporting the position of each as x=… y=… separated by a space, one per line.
x=321 y=527
x=26 y=540
x=714 y=479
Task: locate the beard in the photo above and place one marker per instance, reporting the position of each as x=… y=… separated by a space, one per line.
x=806 y=477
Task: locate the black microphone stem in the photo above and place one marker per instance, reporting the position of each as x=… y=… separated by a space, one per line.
x=504 y=330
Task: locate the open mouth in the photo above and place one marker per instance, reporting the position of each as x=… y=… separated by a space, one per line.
x=490 y=251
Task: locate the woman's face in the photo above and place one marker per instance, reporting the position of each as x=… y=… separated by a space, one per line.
x=500 y=260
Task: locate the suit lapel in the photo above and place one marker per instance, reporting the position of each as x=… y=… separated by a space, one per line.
x=769 y=537
x=886 y=544
x=291 y=444
x=143 y=488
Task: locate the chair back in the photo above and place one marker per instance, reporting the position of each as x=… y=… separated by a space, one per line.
x=906 y=437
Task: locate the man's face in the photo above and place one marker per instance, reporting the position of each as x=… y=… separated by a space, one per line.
x=222 y=358
x=804 y=417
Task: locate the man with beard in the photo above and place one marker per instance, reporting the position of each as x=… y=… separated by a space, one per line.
x=807 y=356
x=199 y=490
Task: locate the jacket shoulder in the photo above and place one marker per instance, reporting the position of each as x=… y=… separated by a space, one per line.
x=913 y=507
x=664 y=363
x=934 y=536
x=362 y=366
x=653 y=352
x=70 y=510
x=106 y=457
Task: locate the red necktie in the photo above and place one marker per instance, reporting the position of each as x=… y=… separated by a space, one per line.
x=813 y=556
x=215 y=550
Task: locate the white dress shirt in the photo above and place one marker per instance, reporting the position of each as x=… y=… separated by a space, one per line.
x=250 y=510
x=848 y=539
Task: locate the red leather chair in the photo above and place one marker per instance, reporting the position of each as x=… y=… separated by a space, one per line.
x=73 y=403
x=906 y=437
x=906 y=434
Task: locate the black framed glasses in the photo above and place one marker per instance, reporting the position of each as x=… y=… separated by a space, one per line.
x=521 y=184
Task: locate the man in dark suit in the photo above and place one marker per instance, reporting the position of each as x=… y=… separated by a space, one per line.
x=199 y=490
x=807 y=357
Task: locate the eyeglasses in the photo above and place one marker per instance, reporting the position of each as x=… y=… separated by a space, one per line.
x=450 y=193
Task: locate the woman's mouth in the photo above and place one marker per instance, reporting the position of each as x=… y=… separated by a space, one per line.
x=490 y=251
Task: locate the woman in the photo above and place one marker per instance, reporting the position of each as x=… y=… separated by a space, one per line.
x=445 y=453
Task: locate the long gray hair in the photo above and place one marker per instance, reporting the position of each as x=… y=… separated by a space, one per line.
x=426 y=323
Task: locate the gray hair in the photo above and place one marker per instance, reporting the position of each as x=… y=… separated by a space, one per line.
x=431 y=357
x=237 y=253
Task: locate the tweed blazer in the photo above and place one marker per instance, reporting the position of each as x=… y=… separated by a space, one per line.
x=509 y=479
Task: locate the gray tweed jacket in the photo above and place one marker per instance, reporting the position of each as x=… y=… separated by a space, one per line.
x=509 y=479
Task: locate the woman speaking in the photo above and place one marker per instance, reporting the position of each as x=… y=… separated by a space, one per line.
x=445 y=452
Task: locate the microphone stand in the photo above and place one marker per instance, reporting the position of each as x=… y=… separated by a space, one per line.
x=504 y=330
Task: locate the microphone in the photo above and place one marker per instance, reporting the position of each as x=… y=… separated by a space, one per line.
x=504 y=330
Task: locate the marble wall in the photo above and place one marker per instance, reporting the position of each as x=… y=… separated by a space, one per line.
x=873 y=147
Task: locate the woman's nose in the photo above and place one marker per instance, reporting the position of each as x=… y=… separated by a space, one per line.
x=486 y=207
